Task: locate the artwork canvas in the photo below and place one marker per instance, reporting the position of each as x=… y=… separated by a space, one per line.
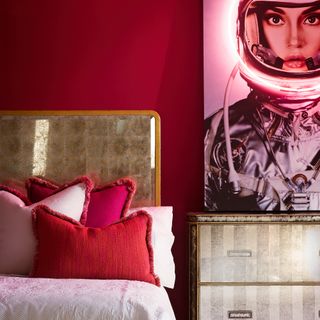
x=261 y=105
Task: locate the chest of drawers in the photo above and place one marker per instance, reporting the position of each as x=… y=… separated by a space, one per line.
x=246 y=266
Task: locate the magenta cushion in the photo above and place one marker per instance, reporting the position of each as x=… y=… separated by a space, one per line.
x=108 y=203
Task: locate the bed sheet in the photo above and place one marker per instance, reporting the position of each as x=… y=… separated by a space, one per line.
x=72 y=299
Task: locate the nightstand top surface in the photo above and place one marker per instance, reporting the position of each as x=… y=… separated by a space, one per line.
x=239 y=217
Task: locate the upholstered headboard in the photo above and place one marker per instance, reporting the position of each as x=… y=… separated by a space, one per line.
x=60 y=145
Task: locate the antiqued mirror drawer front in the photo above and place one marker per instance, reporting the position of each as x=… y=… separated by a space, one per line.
x=259 y=252
x=259 y=302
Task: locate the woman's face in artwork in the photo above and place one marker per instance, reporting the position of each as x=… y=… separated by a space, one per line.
x=293 y=33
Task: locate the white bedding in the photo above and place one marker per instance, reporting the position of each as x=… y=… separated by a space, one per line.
x=74 y=299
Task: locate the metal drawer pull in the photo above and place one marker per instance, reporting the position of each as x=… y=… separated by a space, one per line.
x=239 y=253
x=240 y=314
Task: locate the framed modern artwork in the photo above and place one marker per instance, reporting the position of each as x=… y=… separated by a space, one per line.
x=261 y=105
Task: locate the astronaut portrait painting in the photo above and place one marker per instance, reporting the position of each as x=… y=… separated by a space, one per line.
x=262 y=149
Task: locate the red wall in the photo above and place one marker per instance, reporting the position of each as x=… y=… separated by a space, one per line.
x=111 y=54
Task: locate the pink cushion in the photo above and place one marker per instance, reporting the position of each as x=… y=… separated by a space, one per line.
x=108 y=203
x=66 y=249
x=17 y=242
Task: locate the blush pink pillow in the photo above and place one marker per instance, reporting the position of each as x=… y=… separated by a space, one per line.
x=108 y=203
x=17 y=241
x=67 y=249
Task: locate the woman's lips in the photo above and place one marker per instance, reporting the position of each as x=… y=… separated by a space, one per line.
x=294 y=62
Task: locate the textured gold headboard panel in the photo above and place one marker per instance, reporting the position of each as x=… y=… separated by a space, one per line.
x=61 y=145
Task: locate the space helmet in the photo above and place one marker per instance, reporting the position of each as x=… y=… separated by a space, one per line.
x=290 y=76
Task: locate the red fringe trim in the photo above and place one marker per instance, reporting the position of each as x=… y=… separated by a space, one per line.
x=16 y=193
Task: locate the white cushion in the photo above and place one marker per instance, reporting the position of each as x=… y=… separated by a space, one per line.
x=162 y=241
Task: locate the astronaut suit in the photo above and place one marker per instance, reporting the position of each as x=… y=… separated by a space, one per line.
x=273 y=134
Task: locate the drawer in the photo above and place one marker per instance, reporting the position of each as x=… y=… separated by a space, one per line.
x=259 y=302
x=259 y=252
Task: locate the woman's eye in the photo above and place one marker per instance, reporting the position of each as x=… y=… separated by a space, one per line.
x=312 y=20
x=274 y=20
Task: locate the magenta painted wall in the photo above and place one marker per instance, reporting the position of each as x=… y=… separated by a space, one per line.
x=111 y=54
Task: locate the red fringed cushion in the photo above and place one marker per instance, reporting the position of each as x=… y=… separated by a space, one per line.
x=108 y=203
x=66 y=249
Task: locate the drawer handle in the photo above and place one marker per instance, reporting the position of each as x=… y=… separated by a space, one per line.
x=240 y=314
x=239 y=253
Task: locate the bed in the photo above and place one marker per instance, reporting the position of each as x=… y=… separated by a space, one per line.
x=83 y=234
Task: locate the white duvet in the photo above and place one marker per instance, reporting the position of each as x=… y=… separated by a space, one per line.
x=72 y=299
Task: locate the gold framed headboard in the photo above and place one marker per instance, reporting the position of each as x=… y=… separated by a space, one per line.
x=103 y=144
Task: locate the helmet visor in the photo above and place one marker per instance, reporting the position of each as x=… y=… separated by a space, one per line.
x=283 y=37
